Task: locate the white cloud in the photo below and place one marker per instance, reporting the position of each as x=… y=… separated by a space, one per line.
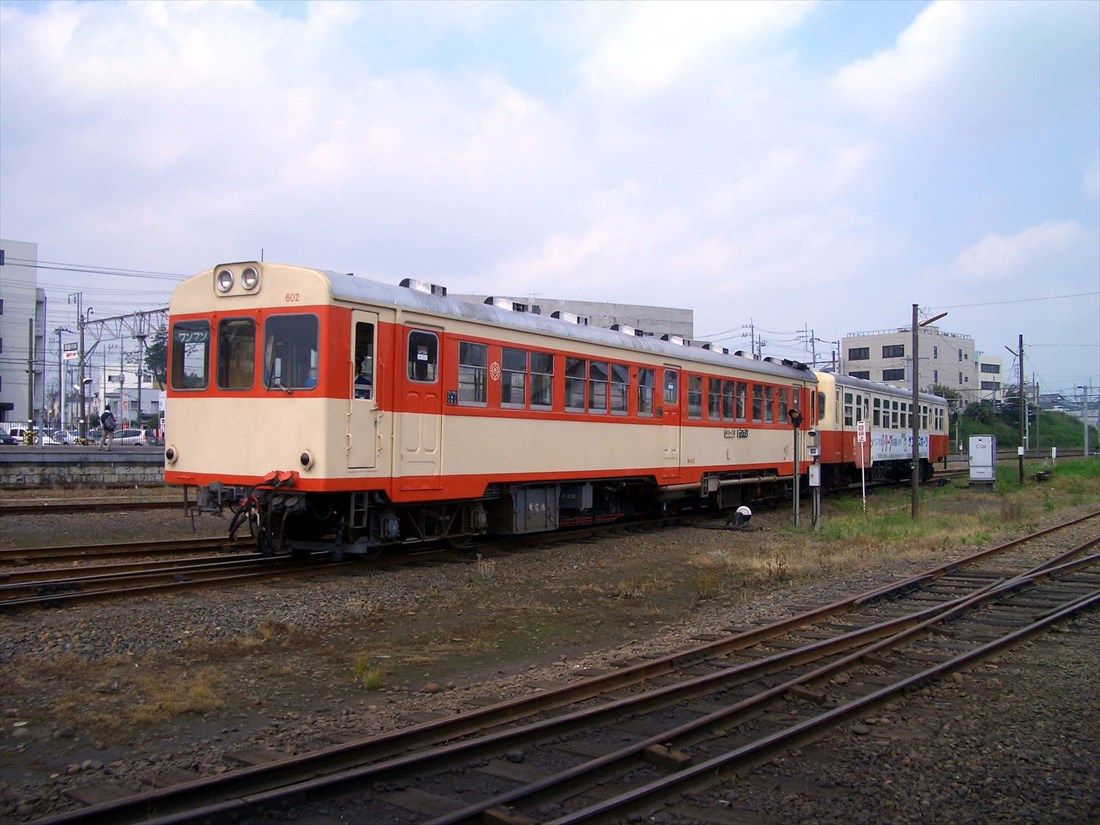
x=982 y=66
x=659 y=44
x=999 y=257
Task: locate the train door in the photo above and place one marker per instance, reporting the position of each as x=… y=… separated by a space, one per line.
x=362 y=429
x=422 y=411
x=670 y=414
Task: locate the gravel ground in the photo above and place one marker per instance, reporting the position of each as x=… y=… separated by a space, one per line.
x=121 y=691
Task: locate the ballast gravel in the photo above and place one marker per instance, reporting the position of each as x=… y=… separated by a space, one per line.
x=286 y=668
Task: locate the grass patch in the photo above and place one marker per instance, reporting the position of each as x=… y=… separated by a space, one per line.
x=367 y=673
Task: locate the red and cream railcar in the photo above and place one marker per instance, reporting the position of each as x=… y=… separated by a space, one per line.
x=322 y=407
x=843 y=403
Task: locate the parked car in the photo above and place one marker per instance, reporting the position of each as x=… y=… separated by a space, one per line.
x=65 y=436
x=131 y=436
x=7 y=438
x=20 y=433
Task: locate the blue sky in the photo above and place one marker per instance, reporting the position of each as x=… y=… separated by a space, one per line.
x=810 y=164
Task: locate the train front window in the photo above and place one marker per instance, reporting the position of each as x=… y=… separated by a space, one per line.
x=290 y=352
x=236 y=353
x=190 y=354
x=423 y=356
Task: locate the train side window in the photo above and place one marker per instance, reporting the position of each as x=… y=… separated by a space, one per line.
x=513 y=377
x=859 y=408
x=236 y=353
x=620 y=388
x=575 y=371
x=849 y=415
x=473 y=359
x=363 y=360
x=876 y=413
x=924 y=416
x=769 y=404
x=597 y=387
x=757 y=403
x=796 y=398
x=646 y=383
x=714 y=399
x=695 y=396
x=784 y=404
x=672 y=387
x=190 y=354
x=423 y=359
x=742 y=400
x=290 y=352
x=727 y=401
x=821 y=406
x=894 y=415
x=542 y=380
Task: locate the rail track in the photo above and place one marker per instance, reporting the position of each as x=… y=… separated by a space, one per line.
x=618 y=742
x=40 y=507
x=128 y=549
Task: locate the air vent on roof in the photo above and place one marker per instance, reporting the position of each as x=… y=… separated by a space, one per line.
x=672 y=339
x=739 y=353
x=715 y=348
x=511 y=306
x=770 y=360
x=626 y=329
x=424 y=286
x=569 y=317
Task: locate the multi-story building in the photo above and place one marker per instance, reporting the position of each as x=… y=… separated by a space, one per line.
x=990 y=377
x=22 y=333
x=947 y=359
x=658 y=320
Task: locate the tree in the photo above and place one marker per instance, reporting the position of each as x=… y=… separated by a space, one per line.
x=156 y=356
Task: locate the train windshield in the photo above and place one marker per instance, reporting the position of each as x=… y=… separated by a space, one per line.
x=290 y=352
x=190 y=354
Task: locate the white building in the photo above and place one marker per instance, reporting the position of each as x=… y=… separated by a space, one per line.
x=22 y=333
x=948 y=359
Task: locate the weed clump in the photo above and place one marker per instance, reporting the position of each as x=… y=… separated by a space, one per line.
x=367 y=673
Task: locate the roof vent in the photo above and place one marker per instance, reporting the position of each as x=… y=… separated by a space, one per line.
x=569 y=317
x=740 y=353
x=672 y=339
x=423 y=286
x=626 y=329
x=715 y=348
x=511 y=306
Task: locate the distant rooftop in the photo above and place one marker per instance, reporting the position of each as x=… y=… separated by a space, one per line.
x=907 y=330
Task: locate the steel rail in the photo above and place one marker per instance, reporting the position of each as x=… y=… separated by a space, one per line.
x=31 y=555
x=63 y=576
x=43 y=508
x=706 y=772
x=320 y=762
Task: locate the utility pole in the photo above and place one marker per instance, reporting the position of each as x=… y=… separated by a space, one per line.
x=1085 y=413
x=60 y=383
x=914 y=417
x=140 y=371
x=30 y=376
x=78 y=299
x=1023 y=409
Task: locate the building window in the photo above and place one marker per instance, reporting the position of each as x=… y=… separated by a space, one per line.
x=935 y=352
x=646 y=382
x=859 y=353
x=472 y=362
x=866 y=374
x=960 y=355
x=893 y=351
x=935 y=376
x=991 y=385
x=1 y=306
x=695 y=396
x=893 y=375
x=992 y=368
x=960 y=378
x=542 y=379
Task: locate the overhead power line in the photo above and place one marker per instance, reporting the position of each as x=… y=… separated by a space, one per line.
x=1017 y=301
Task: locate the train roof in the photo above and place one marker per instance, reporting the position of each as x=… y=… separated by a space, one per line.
x=884 y=389
x=346 y=287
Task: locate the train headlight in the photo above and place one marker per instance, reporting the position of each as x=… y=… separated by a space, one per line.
x=250 y=278
x=224 y=280
x=170 y=455
x=306 y=459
